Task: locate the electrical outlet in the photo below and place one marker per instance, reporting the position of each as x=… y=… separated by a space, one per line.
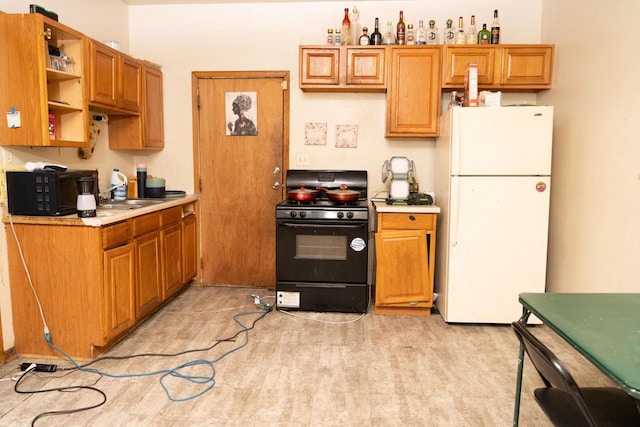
x=302 y=159
x=7 y=157
x=3 y=180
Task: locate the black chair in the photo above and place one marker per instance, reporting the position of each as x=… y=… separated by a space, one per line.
x=564 y=402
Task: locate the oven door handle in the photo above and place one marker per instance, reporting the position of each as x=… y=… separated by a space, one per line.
x=298 y=225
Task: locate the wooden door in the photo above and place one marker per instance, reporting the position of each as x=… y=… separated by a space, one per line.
x=119 y=283
x=240 y=176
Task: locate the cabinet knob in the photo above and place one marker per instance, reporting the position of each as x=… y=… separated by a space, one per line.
x=412 y=218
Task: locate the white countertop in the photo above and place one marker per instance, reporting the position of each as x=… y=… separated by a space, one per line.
x=384 y=208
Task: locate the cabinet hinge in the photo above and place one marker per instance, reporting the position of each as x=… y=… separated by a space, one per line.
x=284 y=85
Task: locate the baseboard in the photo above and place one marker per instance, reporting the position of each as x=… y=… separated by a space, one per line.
x=9 y=355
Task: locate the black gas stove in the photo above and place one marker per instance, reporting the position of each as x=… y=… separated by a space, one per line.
x=322 y=245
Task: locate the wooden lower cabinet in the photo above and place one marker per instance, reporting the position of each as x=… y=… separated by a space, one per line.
x=405 y=256
x=189 y=248
x=172 y=278
x=149 y=282
x=95 y=283
x=119 y=290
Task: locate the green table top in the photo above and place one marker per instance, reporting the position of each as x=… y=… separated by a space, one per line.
x=604 y=327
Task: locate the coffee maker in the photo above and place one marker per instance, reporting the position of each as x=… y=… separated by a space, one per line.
x=86 y=204
x=401 y=171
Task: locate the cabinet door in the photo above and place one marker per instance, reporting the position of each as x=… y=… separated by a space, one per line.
x=365 y=67
x=402 y=275
x=171 y=260
x=153 y=108
x=319 y=66
x=189 y=248
x=149 y=284
x=413 y=92
x=104 y=74
x=456 y=59
x=527 y=67
x=119 y=282
x=131 y=81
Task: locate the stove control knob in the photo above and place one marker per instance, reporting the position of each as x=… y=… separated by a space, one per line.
x=303 y=214
x=340 y=215
x=292 y=214
x=349 y=215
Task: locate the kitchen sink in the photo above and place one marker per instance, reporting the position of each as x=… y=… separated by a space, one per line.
x=129 y=204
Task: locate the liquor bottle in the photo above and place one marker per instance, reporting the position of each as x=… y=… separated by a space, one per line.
x=355 y=26
x=484 y=36
x=337 y=39
x=376 y=36
x=388 y=37
x=400 y=30
x=461 y=37
x=432 y=33
x=421 y=33
x=410 y=36
x=472 y=34
x=346 y=28
x=495 y=28
x=330 y=36
x=449 y=33
x=364 y=38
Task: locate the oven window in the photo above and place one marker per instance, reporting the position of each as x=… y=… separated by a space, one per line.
x=321 y=247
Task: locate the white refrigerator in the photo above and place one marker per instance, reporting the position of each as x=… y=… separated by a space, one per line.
x=493 y=179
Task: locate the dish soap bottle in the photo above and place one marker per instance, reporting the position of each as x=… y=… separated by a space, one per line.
x=119 y=181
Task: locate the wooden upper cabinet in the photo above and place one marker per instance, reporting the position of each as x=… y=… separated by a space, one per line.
x=500 y=67
x=413 y=91
x=527 y=67
x=47 y=91
x=342 y=68
x=116 y=79
x=146 y=130
x=456 y=58
x=152 y=107
x=131 y=84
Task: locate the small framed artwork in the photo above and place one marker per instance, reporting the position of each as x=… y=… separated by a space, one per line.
x=315 y=134
x=241 y=113
x=346 y=136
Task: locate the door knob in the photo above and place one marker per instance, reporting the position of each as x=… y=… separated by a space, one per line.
x=275 y=185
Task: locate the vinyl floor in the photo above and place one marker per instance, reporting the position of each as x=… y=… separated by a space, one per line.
x=318 y=369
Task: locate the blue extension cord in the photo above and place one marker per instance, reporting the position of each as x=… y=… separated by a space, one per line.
x=175 y=372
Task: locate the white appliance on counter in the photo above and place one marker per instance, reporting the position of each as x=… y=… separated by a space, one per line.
x=493 y=175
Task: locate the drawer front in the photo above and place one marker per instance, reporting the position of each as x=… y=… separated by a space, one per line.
x=171 y=216
x=116 y=235
x=146 y=223
x=406 y=221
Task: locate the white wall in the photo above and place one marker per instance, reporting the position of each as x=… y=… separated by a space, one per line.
x=594 y=243
x=256 y=36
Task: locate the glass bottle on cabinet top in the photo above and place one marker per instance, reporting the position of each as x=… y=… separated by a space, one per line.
x=449 y=33
x=495 y=28
x=355 y=26
x=484 y=36
x=388 y=37
x=472 y=34
x=461 y=37
x=400 y=30
x=376 y=36
x=421 y=33
x=364 y=38
x=432 y=33
x=346 y=28
x=410 y=35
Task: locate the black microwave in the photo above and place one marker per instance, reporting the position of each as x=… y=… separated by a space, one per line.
x=46 y=192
